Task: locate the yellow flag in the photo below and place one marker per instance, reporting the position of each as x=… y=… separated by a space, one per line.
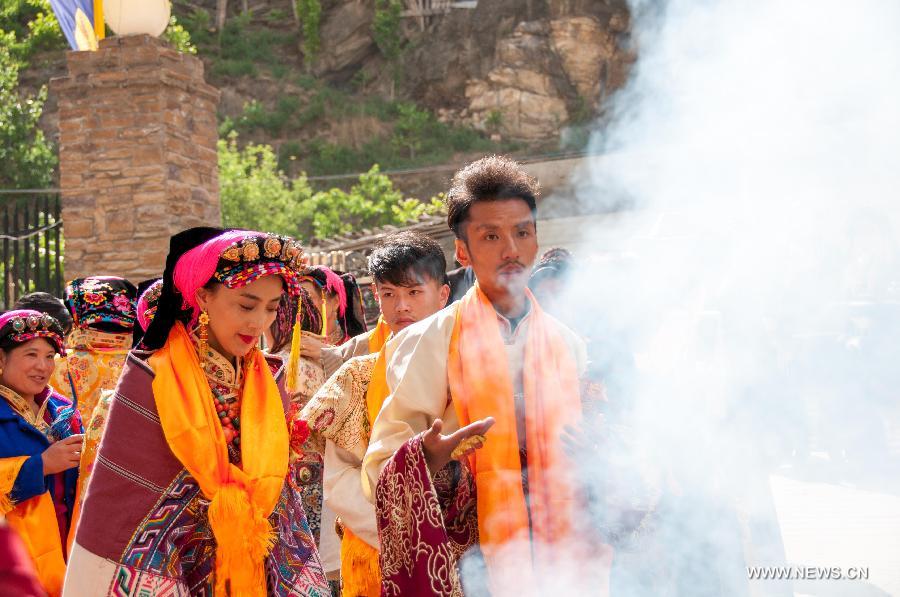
x=84 y=32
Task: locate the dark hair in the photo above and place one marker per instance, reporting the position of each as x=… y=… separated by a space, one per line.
x=491 y=178
x=404 y=258
x=9 y=344
x=49 y=304
x=555 y=263
x=354 y=320
x=171 y=307
x=283 y=327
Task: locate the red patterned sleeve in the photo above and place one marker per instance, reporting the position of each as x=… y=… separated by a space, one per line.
x=424 y=527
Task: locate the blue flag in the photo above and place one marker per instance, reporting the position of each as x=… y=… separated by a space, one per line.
x=76 y=19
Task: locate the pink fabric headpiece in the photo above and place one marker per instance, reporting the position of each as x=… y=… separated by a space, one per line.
x=147 y=303
x=334 y=283
x=197 y=266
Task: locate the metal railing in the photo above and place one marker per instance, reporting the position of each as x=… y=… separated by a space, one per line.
x=31 y=244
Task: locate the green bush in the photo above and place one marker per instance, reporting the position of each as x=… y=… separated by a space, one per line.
x=256 y=194
x=29 y=26
x=234 y=68
x=306 y=81
x=310 y=12
x=198 y=24
x=386 y=28
x=371 y=202
x=276 y=16
x=179 y=37
x=257 y=116
x=279 y=71
x=239 y=41
x=289 y=152
x=410 y=128
x=253 y=192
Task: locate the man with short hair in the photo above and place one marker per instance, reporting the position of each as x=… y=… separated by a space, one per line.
x=409 y=273
x=466 y=450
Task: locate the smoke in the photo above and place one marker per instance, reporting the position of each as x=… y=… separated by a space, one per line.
x=743 y=310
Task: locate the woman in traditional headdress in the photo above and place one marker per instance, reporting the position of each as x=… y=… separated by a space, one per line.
x=191 y=493
x=294 y=311
x=338 y=298
x=40 y=442
x=149 y=292
x=103 y=318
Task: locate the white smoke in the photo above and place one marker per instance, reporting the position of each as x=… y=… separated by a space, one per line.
x=744 y=307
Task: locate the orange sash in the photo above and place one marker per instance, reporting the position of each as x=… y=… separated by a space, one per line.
x=35 y=522
x=360 y=573
x=480 y=387
x=379 y=335
x=241 y=499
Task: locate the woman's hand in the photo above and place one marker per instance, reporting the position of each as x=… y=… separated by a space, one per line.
x=439 y=448
x=63 y=455
x=311 y=346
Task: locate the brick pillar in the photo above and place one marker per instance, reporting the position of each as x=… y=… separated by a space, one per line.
x=137 y=155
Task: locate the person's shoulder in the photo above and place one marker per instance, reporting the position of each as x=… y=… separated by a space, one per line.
x=275 y=363
x=357 y=345
x=569 y=336
x=360 y=363
x=138 y=360
x=443 y=321
x=356 y=368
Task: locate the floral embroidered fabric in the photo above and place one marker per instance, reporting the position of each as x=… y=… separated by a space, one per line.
x=101 y=300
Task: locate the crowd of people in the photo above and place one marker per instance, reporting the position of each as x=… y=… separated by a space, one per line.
x=233 y=428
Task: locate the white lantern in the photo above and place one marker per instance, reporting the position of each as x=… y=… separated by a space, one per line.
x=136 y=17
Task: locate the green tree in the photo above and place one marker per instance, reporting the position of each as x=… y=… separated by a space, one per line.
x=179 y=37
x=29 y=26
x=255 y=194
x=410 y=128
x=386 y=33
x=310 y=13
x=372 y=202
x=26 y=158
x=386 y=28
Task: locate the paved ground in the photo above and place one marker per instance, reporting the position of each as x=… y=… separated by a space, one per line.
x=832 y=525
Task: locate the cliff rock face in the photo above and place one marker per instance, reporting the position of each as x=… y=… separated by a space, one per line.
x=347 y=42
x=519 y=68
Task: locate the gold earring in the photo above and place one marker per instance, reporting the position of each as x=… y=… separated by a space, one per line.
x=203 y=335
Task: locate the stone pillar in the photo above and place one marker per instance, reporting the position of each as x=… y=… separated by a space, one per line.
x=137 y=155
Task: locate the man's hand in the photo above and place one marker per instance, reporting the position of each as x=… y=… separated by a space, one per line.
x=311 y=346
x=438 y=448
x=63 y=455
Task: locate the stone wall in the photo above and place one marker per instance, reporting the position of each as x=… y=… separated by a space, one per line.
x=137 y=150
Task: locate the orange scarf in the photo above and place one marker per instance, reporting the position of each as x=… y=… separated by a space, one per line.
x=480 y=386
x=35 y=522
x=379 y=335
x=360 y=573
x=241 y=499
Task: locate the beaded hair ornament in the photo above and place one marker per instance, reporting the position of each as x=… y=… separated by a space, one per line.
x=25 y=324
